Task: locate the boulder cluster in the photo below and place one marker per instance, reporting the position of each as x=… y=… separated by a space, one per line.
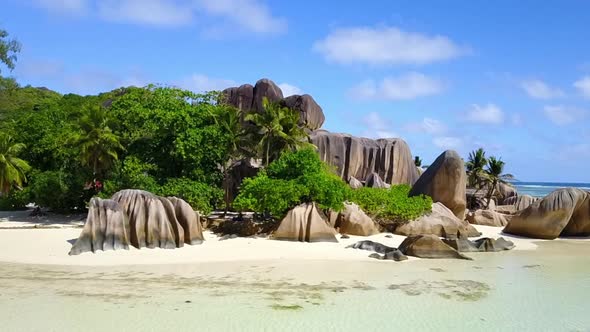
x=140 y=219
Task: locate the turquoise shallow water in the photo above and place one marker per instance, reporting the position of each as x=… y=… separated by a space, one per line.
x=542 y=290
x=542 y=189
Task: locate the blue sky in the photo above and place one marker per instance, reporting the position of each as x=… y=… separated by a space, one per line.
x=512 y=77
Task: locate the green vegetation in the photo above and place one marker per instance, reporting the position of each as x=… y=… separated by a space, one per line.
x=391 y=206
x=12 y=168
x=485 y=173
x=294 y=178
x=495 y=175
x=475 y=168
x=8 y=49
x=417 y=161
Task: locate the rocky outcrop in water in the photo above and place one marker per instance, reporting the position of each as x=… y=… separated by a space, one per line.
x=428 y=246
x=440 y=222
x=354 y=221
x=305 y=224
x=360 y=157
x=141 y=219
x=564 y=212
x=249 y=98
x=480 y=245
x=387 y=253
x=445 y=181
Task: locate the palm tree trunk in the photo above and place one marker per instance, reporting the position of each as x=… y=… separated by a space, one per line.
x=491 y=193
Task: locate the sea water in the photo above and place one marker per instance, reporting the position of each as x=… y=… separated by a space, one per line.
x=541 y=290
x=542 y=189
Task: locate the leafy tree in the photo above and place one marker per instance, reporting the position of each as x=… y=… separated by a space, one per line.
x=294 y=178
x=278 y=130
x=417 y=161
x=391 y=206
x=200 y=196
x=495 y=175
x=96 y=141
x=8 y=49
x=475 y=168
x=12 y=169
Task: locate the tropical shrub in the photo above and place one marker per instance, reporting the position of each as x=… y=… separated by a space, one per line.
x=59 y=191
x=200 y=196
x=391 y=205
x=294 y=178
x=15 y=200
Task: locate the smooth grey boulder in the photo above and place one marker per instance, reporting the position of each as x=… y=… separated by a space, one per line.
x=480 y=245
x=106 y=228
x=375 y=181
x=488 y=218
x=305 y=224
x=520 y=202
x=429 y=246
x=445 y=181
x=564 y=212
x=265 y=88
x=440 y=222
x=354 y=221
x=359 y=157
x=388 y=253
x=354 y=183
x=189 y=220
x=152 y=219
x=311 y=114
x=241 y=97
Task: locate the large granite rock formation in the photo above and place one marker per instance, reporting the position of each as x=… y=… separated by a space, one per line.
x=354 y=221
x=520 y=202
x=428 y=246
x=141 y=219
x=359 y=157
x=305 y=224
x=445 y=181
x=152 y=218
x=564 y=212
x=249 y=98
x=106 y=228
x=488 y=218
x=440 y=222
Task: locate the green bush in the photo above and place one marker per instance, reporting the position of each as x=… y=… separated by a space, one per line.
x=16 y=200
x=294 y=178
x=391 y=205
x=200 y=196
x=131 y=173
x=59 y=191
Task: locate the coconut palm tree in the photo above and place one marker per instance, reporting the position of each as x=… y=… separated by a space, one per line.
x=277 y=130
x=238 y=141
x=417 y=161
x=475 y=168
x=494 y=175
x=96 y=141
x=12 y=169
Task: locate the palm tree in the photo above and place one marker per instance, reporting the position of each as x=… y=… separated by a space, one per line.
x=238 y=144
x=12 y=168
x=97 y=143
x=475 y=168
x=278 y=130
x=417 y=161
x=494 y=176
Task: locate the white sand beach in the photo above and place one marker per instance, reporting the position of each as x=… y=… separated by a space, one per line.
x=47 y=240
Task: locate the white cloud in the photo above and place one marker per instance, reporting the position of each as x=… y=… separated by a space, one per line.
x=540 y=90
x=251 y=15
x=562 y=115
x=149 y=12
x=385 y=46
x=289 y=90
x=378 y=127
x=64 y=6
x=203 y=83
x=487 y=114
x=408 y=86
x=583 y=86
x=427 y=125
x=448 y=142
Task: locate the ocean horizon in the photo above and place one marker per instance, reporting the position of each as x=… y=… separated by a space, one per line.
x=542 y=189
